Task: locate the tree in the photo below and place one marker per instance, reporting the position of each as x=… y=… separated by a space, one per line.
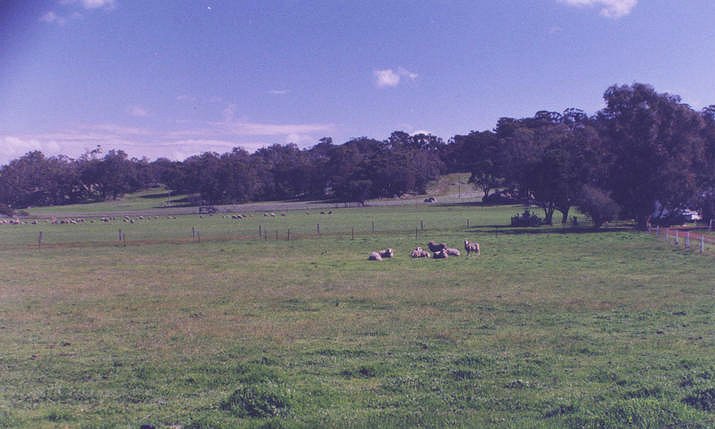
x=655 y=143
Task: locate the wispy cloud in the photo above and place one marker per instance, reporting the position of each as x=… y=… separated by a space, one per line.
x=609 y=8
x=279 y=91
x=176 y=144
x=388 y=78
x=73 y=9
x=137 y=111
x=52 y=18
x=92 y=4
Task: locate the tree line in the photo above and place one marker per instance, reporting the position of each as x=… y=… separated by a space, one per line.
x=643 y=149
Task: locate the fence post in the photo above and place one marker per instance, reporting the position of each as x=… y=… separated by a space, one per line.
x=687 y=240
x=260 y=232
x=289 y=234
x=198 y=235
x=352 y=233
x=317 y=228
x=710 y=225
x=193 y=233
x=39 y=240
x=667 y=234
x=677 y=240
x=702 y=244
x=119 y=235
x=416 y=232
x=422 y=225
x=657 y=230
x=467 y=223
x=373 y=226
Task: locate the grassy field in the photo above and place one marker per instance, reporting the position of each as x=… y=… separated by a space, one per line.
x=550 y=328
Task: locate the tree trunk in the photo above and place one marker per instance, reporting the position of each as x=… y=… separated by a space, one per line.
x=564 y=215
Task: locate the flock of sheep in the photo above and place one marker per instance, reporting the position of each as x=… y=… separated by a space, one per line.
x=439 y=251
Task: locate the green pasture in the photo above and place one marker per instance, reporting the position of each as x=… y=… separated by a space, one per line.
x=152 y=198
x=549 y=327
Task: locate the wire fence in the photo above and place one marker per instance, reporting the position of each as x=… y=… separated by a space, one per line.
x=698 y=240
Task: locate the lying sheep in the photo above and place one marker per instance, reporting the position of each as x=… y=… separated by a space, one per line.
x=452 y=252
x=471 y=247
x=440 y=254
x=387 y=253
x=419 y=253
x=374 y=256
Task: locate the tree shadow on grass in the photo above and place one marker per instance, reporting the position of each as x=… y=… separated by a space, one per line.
x=509 y=230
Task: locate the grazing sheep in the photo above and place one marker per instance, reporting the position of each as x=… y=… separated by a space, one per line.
x=436 y=247
x=419 y=253
x=471 y=247
x=387 y=253
x=440 y=254
x=452 y=252
x=374 y=256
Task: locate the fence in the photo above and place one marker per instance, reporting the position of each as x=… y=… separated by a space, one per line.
x=45 y=235
x=691 y=239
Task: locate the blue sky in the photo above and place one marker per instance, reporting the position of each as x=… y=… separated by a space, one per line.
x=174 y=78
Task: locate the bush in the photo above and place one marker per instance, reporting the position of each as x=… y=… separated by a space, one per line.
x=260 y=400
x=6 y=210
x=527 y=218
x=598 y=204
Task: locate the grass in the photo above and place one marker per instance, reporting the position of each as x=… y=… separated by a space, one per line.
x=158 y=197
x=564 y=328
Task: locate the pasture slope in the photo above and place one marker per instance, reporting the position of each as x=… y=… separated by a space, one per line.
x=549 y=327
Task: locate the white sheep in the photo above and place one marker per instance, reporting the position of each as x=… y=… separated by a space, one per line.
x=471 y=247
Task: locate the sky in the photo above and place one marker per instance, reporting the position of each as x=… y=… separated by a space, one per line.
x=174 y=78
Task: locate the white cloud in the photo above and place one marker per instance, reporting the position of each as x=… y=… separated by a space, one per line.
x=609 y=8
x=137 y=111
x=388 y=78
x=279 y=91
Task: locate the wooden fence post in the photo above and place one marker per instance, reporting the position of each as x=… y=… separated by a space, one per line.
x=260 y=232
x=352 y=233
x=39 y=240
x=373 y=226
x=677 y=240
x=422 y=225
x=317 y=228
x=289 y=234
x=687 y=240
x=702 y=243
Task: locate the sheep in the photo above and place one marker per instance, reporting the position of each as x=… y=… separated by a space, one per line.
x=452 y=252
x=374 y=256
x=440 y=254
x=436 y=247
x=471 y=247
x=387 y=253
x=419 y=253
